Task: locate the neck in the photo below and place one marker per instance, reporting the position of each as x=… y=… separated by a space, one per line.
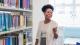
x=47 y=21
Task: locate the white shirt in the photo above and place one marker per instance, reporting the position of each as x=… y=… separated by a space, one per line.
x=48 y=28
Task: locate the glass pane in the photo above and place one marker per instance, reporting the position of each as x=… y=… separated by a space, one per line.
x=58 y=2
x=77 y=17
x=77 y=1
x=59 y=10
x=68 y=2
x=69 y=10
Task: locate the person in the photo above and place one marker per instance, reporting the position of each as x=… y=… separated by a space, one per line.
x=47 y=29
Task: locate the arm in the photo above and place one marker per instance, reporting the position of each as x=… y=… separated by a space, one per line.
x=38 y=35
x=55 y=32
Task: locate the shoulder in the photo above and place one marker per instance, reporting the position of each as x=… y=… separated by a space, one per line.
x=54 y=23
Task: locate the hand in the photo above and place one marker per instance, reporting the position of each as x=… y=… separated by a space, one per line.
x=55 y=35
x=36 y=43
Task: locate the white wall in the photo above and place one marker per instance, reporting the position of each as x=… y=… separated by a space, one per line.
x=37 y=15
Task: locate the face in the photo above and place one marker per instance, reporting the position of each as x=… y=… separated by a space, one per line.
x=48 y=14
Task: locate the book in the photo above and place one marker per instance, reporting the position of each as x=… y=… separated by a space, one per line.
x=1 y=41
x=1 y=2
x=6 y=3
x=28 y=4
x=13 y=3
x=14 y=40
x=9 y=22
x=24 y=4
x=17 y=3
x=7 y=40
x=6 y=16
x=4 y=22
x=14 y=21
x=0 y=21
x=22 y=20
x=20 y=37
x=21 y=3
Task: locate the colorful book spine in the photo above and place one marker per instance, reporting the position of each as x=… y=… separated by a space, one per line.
x=13 y=3
x=7 y=41
x=22 y=20
x=10 y=21
x=1 y=41
x=17 y=3
x=24 y=4
x=5 y=3
x=14 y=21
x=28 y=4
x=14 y=40
x=2 y=2
x=21 y=3
x=0 y=21
x=4 y=22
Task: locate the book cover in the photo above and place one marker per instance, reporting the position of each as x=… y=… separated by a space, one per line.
x=21 y=3
x=7 y=40
x=28 y=4
x=1 y=41
x=2 y=2
x=14 y=40
x=4 y=22
x=10 y=21
x=13 y=3
x=17 y=3
x=24 y=4
x=6 y=16
x=22 y=20
x=14 y=21
x=5 y=3
x=0 y=21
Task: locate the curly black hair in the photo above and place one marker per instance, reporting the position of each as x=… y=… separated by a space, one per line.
x=45 y=7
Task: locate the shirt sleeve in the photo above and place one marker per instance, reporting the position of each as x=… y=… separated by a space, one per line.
x=38 y=31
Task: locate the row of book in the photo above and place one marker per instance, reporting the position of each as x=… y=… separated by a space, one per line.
x=25 y=4
x=9 y=40
x=9 y=20
x=17 y=38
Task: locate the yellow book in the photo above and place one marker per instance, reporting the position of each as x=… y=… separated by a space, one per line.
x=22 y=20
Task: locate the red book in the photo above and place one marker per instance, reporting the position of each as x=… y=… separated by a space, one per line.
x=17 y=3
x=1 y=41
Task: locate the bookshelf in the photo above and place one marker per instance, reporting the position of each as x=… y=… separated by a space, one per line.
x=14 y=9
x=15 y=19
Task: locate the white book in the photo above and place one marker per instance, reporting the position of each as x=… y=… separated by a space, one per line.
x=20 y=37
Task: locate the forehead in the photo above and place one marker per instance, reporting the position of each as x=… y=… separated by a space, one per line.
x=48 y=10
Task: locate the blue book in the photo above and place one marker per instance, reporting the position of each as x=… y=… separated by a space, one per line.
x=6 y=14
x=21 y=3
x=7 y=41
x=4 y=22
x=9 y=21
x=0 y=21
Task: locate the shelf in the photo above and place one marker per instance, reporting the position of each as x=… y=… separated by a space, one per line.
x=14 y=30
x=14 y=9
